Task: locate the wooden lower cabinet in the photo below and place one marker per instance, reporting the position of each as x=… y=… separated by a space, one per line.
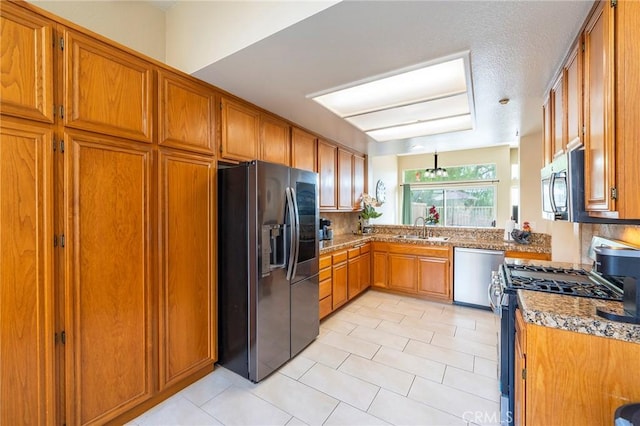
x=434 y=277
x=325 y=290
x=109 y=361
x=340 y=279
x=418 y=270
x=187 y=328
x=574 y=378
x=27 y=369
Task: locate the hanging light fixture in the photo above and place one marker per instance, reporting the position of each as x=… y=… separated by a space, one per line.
x=435 y=171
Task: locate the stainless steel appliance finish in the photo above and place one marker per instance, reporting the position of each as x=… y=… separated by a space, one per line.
x=516 y=275
x=472 y=273
x=562 y=184
x=267 y=266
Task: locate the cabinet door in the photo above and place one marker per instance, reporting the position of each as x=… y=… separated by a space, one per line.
x=379 y=269
x=365 y=271
x=433 y=277
x=573 y=74
x=598 y=113
x=558 y=111
x=26 y=85
x=109 y=311
x=359 y=180
x=402 y=272
x=345 y=180
x=274 y=140
x=303 y=150
x=27 y=369
x=107 y=90
x=339 y=287
x=547 y=125
x=185 y=111
x=327 y=163
x=187 y=240
x=353 y=277
x=240 y=131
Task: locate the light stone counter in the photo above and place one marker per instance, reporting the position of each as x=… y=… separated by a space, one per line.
x=576 y=314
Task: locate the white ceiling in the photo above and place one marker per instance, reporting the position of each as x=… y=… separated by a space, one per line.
x=515 y=47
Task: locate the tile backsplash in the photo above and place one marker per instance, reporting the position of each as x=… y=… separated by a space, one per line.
x=342 y=223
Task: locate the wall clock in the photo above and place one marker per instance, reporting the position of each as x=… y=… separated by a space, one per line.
x=381 y=192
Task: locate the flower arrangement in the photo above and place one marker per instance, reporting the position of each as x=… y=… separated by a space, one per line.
x=368 y=210
x=433 y=217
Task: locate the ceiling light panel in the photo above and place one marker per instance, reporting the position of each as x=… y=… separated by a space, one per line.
x=431 y=82
x=433 y=127
x=421 y=111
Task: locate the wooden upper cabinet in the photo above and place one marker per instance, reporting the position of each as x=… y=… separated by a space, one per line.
x=26 y=75
x=187 y=264
x=275 y=140
x=327 y=163
x=558 y=115
x=573 y=84
x=240 y=131
x=345 y=180
x=627 y=97
x=359 y=181
x=27 y=368
x=107 y=90
x=109 y=310
x=185 y=111
x=547 y=125
x=599 y=138
x=303 y=150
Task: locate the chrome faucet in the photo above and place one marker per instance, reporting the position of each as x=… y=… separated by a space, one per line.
x=424 y=225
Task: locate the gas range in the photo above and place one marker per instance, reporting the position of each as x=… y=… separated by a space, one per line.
x=568 y=281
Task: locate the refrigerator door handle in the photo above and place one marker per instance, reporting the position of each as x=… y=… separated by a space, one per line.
x=296 y=247
x=292 y=224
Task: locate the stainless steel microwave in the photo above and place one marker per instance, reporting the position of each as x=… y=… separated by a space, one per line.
x=562 y=184
x=555 y=189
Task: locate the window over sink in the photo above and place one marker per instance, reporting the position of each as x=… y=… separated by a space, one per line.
x=466 y=197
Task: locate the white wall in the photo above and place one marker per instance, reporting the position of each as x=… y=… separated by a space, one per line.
x=499 y=155
x=200 y=33
x=385 y=168
x=134 y=24
x=530 y=193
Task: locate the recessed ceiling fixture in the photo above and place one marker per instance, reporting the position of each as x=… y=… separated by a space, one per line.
x=504 y=101
x=435 y=171
x=426 y=99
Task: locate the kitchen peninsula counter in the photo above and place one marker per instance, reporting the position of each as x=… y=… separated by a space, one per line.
x=577 y=314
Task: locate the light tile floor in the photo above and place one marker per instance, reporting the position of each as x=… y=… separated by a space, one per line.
x=382 y=359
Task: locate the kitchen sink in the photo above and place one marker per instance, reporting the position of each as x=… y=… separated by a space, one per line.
x=437 y=238
x=416 y=237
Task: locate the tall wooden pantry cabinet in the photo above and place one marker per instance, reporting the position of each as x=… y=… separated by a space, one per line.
x=107 y=167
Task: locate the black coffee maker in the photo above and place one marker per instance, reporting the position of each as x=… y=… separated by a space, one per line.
x=324 y=229
x=624 y=263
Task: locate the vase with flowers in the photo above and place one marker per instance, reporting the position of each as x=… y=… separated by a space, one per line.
x=433 y=217
x=368 y=211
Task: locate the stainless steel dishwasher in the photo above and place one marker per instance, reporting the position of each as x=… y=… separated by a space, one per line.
x=472 y=275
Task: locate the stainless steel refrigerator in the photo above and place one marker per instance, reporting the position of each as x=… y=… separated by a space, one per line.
x=267 y=266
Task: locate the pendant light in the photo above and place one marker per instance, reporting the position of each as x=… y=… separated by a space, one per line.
x=435 y=171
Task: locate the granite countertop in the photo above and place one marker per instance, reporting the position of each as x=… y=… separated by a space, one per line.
x=348 y=240
x=576 y=314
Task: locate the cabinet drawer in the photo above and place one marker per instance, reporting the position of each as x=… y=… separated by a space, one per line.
x=365 y=248
x=325 y=274
x=340 y=256
x=325 y=307
x=325 y=289
x=354 y=252
x=325 y=261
